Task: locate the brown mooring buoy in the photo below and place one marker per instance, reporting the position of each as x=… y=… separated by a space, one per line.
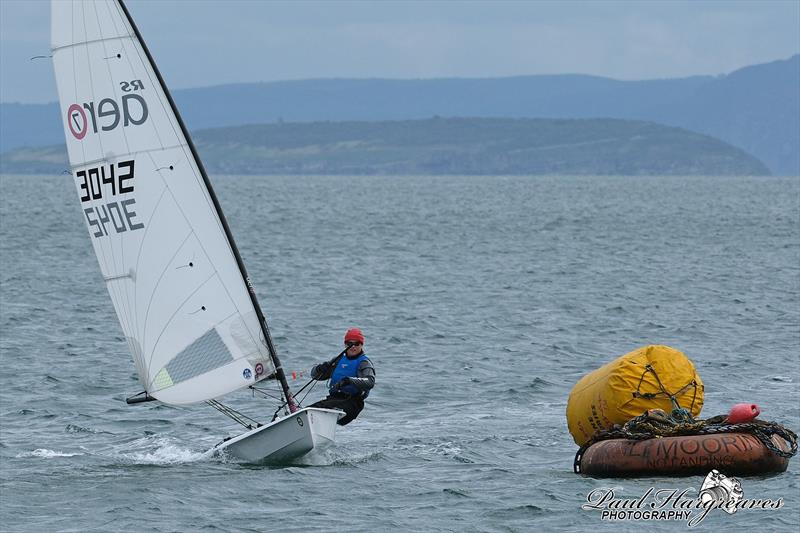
x=737 y=454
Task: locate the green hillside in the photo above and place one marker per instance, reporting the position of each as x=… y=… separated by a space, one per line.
x=449 y=146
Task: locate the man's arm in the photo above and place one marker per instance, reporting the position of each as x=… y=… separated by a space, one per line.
x=322 y=371
x=366 y=376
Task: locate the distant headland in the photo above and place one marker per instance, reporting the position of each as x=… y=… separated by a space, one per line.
x=440 y=146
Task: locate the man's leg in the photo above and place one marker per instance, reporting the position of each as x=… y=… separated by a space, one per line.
x=331 y=402
x=352 y=408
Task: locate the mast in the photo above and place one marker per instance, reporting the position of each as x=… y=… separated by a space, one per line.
x=245 y=278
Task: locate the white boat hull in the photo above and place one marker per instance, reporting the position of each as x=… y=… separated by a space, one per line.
x=284 y=439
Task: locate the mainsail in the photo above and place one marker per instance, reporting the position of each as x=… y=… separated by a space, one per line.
x=166 y=255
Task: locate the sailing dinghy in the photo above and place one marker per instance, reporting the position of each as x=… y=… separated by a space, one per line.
x=167 y=256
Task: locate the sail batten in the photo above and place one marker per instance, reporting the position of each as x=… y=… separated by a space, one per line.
x=103 y=40
x=166 y=256
x=143 y=152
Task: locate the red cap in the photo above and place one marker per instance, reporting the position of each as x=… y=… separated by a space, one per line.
x=354 y=335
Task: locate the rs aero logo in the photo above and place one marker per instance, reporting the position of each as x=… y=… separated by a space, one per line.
x=108 y=114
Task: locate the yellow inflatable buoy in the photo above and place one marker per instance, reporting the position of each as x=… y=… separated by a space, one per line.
x=626 y=387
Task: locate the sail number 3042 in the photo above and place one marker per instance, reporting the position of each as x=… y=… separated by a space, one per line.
x=106 y=183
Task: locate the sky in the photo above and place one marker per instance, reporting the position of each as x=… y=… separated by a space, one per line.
x=211 y=42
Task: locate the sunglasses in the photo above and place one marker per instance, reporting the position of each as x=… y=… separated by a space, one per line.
x=351 y=344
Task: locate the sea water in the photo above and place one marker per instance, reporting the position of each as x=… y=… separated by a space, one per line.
x=483 y=300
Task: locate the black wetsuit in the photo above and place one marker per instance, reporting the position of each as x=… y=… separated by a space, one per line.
x=348 y=398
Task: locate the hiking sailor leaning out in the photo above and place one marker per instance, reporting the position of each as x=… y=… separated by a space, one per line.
x=351 y=376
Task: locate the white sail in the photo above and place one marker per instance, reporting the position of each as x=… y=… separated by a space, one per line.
x=171 y=271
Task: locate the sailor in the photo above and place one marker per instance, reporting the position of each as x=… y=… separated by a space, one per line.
x=351 y=376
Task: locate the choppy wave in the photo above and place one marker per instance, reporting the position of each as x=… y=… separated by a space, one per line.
x=158 y=451
x=47 y=454
x=74 y=428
